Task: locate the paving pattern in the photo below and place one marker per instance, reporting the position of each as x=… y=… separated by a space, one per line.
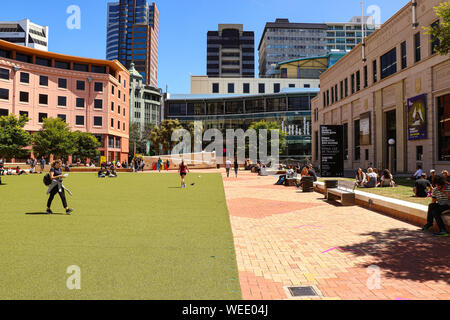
x=284 y=237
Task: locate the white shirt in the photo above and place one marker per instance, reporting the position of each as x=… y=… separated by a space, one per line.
x=228 y=164
x=418 y=173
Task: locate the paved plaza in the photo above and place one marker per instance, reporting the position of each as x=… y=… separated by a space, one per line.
x=284 y=237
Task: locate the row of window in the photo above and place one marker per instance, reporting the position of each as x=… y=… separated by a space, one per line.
x=246 y=87
x=388 y=64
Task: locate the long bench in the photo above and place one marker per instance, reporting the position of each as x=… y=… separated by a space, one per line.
x=345 y=192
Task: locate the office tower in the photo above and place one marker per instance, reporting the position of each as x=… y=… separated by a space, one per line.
x=25 y=33
x=283 y=40
x=132 y=36
x=231 y=52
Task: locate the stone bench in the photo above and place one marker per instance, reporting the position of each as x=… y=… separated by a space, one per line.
x=345 y=193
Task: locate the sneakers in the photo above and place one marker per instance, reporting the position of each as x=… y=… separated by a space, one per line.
x=426 y=227
x=68 y=211
x=49 y=211
x=441 y=234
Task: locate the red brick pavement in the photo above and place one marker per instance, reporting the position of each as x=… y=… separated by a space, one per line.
x=283 y=238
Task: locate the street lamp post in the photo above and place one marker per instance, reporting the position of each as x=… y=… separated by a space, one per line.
x=391 y=143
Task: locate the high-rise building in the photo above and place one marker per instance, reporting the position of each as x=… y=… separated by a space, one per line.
x=283 y=40
x=132 y=36
x=231 y=52
x=25 y=33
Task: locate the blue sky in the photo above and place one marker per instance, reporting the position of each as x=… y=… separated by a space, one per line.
x=183 y=26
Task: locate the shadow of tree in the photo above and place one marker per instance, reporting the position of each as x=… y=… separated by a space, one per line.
x=406 y=254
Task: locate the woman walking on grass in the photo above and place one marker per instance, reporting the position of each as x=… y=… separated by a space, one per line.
x=56 y=186
x=183 y=171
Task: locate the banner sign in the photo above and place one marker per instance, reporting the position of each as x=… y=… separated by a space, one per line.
x=331 y=151
x=417 y=117
x=365 y=129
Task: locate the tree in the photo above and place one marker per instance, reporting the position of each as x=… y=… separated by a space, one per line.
x=162 y=135
x=55 y=138
x=263 y=125
x=13 y=138
x=86 y=145
x=441 y=31
x=140 y=137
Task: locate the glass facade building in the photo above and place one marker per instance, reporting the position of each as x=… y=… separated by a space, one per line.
x=290 y=108
x=132 y=36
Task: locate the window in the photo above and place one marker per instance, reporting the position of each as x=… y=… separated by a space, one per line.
x=434 y=40
x=124 y=112
x=4 y=112
x=118 y=125
x=42 y=116
x=353 y=83
x=276 y=87
x=417 y=54
x=43 y=81
x=98 y=121
x=292 y=85
x=112 y=123
x=23 y=113
x=4 y=74
x=62 y=101
x=62 y=83
x=231 y=88
x=336 y=98
x=62 y=65
x=215 y=88
x=346 y=86
x=62 y=117
x=98 y=87
x=357 y=153
x=24 y=96
x=80 y=103
x=4 y=94
x=43 y=62
x=98 y=104
x=332 y=95
x=283 y=73
x=81 y=67
x=118 y=109
x=119 y=94
x=366 y=80
x=443 y=106
x=374 y=71
x=43 y=99
x=341 y=88
x=81 y=85
x=419 y=153
x=389 y=63
x=403 y=53
x=24 y=77
x=306 y=85
x=358 y=80
x=113 y=89
x=246 y=88
x=79 y=120
x=124 y=126
x=261 y=88
x=112 y=106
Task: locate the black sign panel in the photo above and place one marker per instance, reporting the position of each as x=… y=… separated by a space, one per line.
x=331 y=151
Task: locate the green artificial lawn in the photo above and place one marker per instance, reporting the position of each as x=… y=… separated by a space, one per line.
x=402 y=191
x=138 y=236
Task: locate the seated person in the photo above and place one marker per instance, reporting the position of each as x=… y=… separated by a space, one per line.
x=360 y=178
x=20 y=172
x=386 y=179
x=422 y=187
x=431 y=177
x=371 y=179
x=101 y=173
x=312 y=172
x=112 y=171
x=440 y=203
x=418 y=173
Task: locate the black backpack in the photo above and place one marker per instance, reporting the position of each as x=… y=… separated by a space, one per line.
x=47 y=180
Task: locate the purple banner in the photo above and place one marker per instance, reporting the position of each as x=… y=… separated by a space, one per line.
x=417 y=117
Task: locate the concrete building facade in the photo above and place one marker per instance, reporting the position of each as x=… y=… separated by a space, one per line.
x=88 y=94
x=25 y=33
x=399 y=90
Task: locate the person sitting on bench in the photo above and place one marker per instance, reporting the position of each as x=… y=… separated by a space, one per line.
x=438 y=206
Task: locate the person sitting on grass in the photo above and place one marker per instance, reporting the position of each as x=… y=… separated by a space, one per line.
x=440 y=203
x=422 y=187
x=361 y=178
x=372 y=180
x=102 y=172
x=112 y=172
x=386 y=179
x=418 y=173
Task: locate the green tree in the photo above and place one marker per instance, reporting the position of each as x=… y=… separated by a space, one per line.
x=263 y=125
x=441 y=31
x=13 y=138
x=140 y=137
x=162 y=135
x=55 y=138
x=87 y=145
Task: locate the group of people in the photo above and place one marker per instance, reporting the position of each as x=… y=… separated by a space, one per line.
x=298 y=171
x=162 y=165
x=107 y=171
x=440 y=194
x=138 y=164
x=372 y=178
x=228 y=165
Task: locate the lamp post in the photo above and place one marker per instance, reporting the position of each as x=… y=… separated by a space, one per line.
x=391 y=143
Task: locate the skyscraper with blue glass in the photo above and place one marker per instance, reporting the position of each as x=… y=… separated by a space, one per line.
x=132 y=36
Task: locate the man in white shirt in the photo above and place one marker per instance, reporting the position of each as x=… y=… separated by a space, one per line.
x=228 y=167
x=418 y=173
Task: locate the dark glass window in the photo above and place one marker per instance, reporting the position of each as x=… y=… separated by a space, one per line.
x=254 y=105
x=23 y=113
x=62 y=101
x=98 y=104
x=80 y=67
x=261 y=88
x=444 y=128
x=98 y=69
x=366 y=80
x=112 y=106
x=4 y=74
x=276 y=104
x=62 y=116
x=358 y=80
x=346 y=86
x=231 y=88
x=4 y=94
x=98 y=121
x=299 y=103
x=24 y=58
x=177 y=109
x=375 y=71
x=214 y=108
x=43 y=81
x=62 y=83
x=112 y=123
x=24 y=77
x=5 y=54
x=353 y=83
x=389 y=63
x=434 y=40
x=4 y=112
x=43 y=62
x=196 y=108
x=246 y=88
x=42 y=116
x=417 y=53
x=404 y=57
x=80 y=103
x=215 y=88
x=43 y=99
x=81 y=85
x=24 y=96
x=98 y=87
x=62 y=65
x=276 y=87
x=357 y=150
x=79 y=120
x=234 y=107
